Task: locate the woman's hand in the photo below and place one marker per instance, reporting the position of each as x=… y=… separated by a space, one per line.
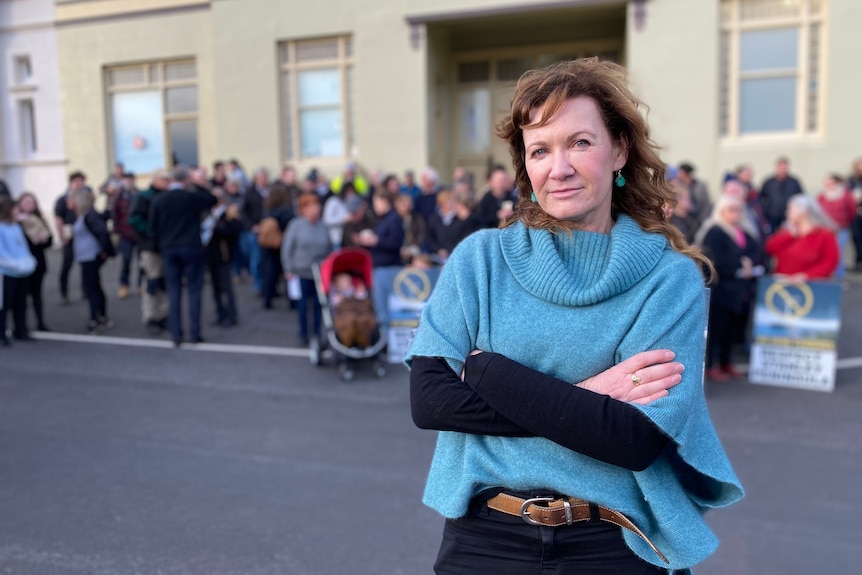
x=641 y=379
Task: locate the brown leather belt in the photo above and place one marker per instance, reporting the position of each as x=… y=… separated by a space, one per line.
x=562 y=511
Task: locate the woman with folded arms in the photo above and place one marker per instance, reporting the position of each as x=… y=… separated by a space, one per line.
x=561 y=357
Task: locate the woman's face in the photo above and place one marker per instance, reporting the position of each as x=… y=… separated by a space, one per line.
x=794 y=214
x=732 y=214
x=27 y=205
x=311 y=212
x=381 y=206
x=571 y=162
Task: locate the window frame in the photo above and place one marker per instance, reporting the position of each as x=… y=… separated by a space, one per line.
x=152 y=82
x=731 y=76
x=290 y=65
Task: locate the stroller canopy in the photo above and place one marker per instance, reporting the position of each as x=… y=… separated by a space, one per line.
x=355 y=261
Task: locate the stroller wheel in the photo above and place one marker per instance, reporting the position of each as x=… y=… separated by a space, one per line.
x=346 y=372
x=314 y=351
x=379 y=369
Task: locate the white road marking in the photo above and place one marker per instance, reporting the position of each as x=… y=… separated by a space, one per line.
x=845 y=363
x=161 y=344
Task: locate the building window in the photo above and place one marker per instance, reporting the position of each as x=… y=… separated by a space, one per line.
x=154 y=114
x=770 y=76
x=23 y=69
x=27 y=124
x=317 y=98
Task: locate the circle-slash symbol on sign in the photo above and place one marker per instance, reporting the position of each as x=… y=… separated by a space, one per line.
x=412 y=285
x=789 y=300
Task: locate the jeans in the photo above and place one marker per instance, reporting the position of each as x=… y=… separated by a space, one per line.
x=223 y=295
x=93 y=289
x=308 y=299
x=185 y=262
x=127 y=250
x=488 y=541
x=250 y=251
x=843 y=238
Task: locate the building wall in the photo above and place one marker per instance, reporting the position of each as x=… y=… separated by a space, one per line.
x=26 y=29
x=389 y=79
x=87 y=46
x=674 y=67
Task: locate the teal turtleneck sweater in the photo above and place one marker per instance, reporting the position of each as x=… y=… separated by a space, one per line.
x=571 y=306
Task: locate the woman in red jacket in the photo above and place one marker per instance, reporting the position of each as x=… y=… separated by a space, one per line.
x=806 y=247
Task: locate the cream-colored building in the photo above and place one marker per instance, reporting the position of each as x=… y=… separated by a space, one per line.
x=400 y=84
x=32 y=155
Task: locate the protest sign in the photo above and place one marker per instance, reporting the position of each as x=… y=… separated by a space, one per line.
x=796 y=334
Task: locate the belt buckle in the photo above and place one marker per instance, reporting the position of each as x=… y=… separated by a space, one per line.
x=525 y=515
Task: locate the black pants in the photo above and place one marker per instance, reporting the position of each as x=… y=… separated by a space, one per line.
x=225 y=301
x=488 y=541
x=68 y=261
x=724 y=329
x=856 y=229
x=14 y=300
x=93 y=289
x=271 y=269
x=34 y=290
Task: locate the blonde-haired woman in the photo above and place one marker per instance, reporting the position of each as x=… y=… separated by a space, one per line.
x=738 y=261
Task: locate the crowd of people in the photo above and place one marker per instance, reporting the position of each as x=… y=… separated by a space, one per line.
x=271 y=232
x=748 y=232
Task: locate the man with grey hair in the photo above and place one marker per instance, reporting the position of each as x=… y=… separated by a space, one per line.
x=175 y=228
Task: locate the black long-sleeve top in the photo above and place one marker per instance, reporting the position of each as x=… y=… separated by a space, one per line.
x=500 y=396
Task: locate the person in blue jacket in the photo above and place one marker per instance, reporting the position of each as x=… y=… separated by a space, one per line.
x=16 y=265
x=561 y=357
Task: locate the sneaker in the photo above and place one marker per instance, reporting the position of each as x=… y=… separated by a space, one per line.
x=123 y=292
x=715 y=374
x=93 y=327
x=105 y=323
x=154 y=328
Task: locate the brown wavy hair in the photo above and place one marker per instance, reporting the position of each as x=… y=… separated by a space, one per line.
x=645 y=192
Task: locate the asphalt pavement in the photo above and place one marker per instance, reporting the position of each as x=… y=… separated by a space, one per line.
x=122 y=455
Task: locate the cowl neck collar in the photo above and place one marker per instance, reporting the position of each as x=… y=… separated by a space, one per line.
x=581 y=268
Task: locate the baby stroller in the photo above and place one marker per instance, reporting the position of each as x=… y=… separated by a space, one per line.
x=367 y=345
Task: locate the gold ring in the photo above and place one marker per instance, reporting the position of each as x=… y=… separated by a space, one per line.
x=636 y=380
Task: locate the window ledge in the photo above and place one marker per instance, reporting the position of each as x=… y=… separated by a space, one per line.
x=23 y=88
x=772 y=140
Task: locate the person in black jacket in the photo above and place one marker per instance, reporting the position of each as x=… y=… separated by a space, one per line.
x=221 y=251
x=738 y=260
x=385 y=241
x=775 y=193
x=498 y=203
x=175 y=228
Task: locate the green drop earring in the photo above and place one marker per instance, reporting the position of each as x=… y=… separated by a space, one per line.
x=533 y=197
x=620 y=181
